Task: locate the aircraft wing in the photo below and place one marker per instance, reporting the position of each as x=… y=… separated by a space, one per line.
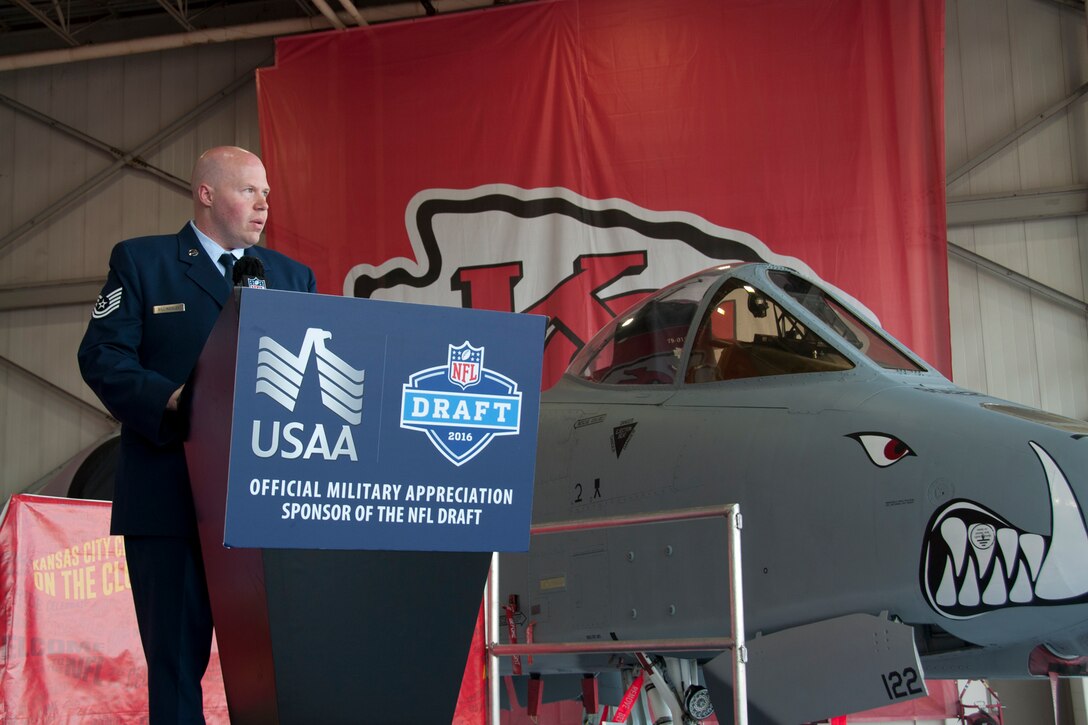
x=816 y=671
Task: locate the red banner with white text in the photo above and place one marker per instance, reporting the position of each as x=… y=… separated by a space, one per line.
x=69 y=647
x=565 y=157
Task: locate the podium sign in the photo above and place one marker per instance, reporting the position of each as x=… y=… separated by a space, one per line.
x=362 y=424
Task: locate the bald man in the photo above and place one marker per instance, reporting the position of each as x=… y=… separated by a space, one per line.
x=147 y=329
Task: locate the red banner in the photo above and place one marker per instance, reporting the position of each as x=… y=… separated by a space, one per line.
x=567 y=156
x=69 y=647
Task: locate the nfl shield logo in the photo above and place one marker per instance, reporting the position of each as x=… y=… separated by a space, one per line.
x=464 y=365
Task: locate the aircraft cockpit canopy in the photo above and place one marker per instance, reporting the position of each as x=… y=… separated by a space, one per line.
x=744 y=333
x=845 y=323
x=644 y=345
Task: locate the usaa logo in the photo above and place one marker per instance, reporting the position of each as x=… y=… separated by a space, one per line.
x=280 y=376
x=461 y=406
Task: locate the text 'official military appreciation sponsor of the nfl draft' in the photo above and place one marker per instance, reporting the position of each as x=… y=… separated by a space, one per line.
x=346 y=434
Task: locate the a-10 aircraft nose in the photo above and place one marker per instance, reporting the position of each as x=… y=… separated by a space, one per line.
x=1011 y=539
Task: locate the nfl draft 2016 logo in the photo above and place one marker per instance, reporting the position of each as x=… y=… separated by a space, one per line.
x=461 y=406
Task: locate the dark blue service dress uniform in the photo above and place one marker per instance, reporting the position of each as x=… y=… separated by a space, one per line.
x=148 y=327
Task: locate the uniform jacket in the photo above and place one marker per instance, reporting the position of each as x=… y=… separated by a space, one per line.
x=160 y=301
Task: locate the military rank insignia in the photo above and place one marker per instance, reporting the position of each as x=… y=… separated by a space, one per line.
x=106 y=303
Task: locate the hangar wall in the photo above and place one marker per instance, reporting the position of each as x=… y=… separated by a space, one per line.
x=1005 y=64
x=47 y=414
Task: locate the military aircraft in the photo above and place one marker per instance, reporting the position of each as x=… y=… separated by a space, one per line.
x=896 y=526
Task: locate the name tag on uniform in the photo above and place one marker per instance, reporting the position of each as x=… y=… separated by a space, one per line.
x=161 y=309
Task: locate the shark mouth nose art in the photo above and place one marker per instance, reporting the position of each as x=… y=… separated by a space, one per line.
x=975 y=561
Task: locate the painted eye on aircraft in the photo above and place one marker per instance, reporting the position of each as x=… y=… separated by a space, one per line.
x=883 y=450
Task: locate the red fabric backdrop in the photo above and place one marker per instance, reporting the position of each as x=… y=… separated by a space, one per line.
x=69 y=648
x=814 y=125
x=565 y=157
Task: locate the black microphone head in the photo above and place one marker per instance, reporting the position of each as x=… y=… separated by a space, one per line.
x=248 y=272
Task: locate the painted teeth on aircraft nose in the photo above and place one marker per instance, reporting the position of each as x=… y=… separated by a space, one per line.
x=1021 y=589
x=1008 y=540
x=996 y=592
x=1026 y=568
x=969 y=591
x=954 y=532
x=997 y=589
x=946 y=592
x=971 y=560
x=1032 y=545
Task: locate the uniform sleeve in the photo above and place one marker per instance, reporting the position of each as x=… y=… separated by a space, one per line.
x=110 y=360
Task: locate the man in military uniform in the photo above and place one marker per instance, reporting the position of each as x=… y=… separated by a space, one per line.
x=147 y=329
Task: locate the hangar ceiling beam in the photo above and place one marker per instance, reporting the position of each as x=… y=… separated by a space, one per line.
x=1010 y=206
x=1022 y=130
x=251 y=31
x=353 y=11
x=69 y=198
x=999 y=270
x=1075 y=4
x=135 y=46
x=329 y=14
x=47 y=22
x=57 y=390
x=135 y=163
x=50 y=294
x=177 y=14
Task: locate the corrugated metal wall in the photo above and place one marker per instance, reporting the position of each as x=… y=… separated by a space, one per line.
x=1006 y=61
x=123 y=102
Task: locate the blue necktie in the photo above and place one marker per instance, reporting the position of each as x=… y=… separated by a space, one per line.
x=227 y=260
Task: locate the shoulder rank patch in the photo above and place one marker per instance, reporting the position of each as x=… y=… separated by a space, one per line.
x=106 y=304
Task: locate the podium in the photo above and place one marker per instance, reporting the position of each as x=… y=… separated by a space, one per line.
x=354 y=463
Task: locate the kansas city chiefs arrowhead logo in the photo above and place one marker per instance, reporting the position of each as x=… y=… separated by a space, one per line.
x=549 y=251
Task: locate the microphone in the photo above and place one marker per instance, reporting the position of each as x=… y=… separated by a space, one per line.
x=248 y=272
